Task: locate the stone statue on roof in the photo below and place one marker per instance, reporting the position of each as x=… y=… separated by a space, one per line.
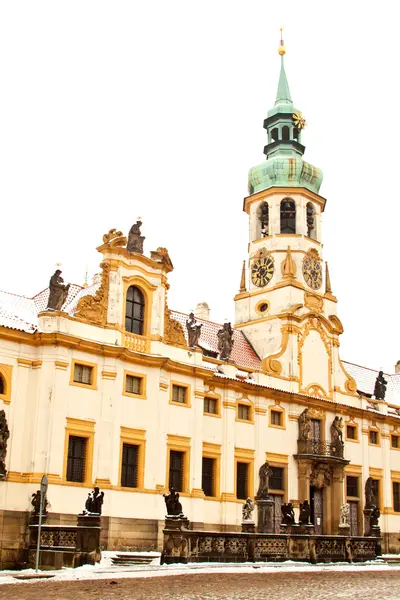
x=58 y=292
x=380 y=387
x=225 y=341
x=135 y=238
x=193 y=330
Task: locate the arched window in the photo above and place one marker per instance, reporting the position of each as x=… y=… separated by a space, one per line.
x=296 y=134
x=310 y=221
x=285 y=133
x=288 y=216
x=2 y=385
x=134 y=314
x=264 y=219
x=275 y=134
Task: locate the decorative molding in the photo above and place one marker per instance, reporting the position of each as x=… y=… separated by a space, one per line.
x=313 y=302
x=94 y=308
x=114 y=239
x=108 y=374
x=61 y=365
x=173 y=330
x=288 y=266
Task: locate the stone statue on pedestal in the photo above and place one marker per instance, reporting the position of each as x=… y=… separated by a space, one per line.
x=247 y=510
x=4 y=435
x=264 y=474
x=305 y=513
x=194 y=330
x=344 y=515
x=336 y=430
x=135 y=239
x=375 y=514
x=288 y=517
x=225 y=341
x=370 y=499
x=58 y=292
x=94 y=502
x=35 y=501
x=174 y=507
x=380 y=387
x=304 y=426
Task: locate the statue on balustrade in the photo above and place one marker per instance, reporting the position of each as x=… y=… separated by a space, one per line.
x=194 y=330
x=94 y=502
x=264 y=474
x=225 y=341
x=336 y=430
x=247 y=510
x=4 y=435
x=288 y=517
x=344 y=515
x=305 y=513
x=58 y=292
x=174 y=507
x=135 y=239
x=35 y=501
x=380 y=387
x=305 y=426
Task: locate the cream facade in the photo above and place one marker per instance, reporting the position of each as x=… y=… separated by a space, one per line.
x=89 y=401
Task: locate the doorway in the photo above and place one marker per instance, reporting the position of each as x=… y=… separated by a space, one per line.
x=317 y=509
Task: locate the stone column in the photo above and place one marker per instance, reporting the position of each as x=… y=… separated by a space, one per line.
x=265 y=515
x=337 y=497
x=228 y=473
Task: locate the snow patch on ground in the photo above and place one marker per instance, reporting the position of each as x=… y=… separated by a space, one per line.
x=106 y=570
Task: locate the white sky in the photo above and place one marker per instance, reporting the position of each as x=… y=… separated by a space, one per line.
x=110 y=110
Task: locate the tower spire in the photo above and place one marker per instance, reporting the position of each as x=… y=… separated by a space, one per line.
x=283 y=94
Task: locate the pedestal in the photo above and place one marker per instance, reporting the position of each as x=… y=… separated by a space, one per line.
x=265 y=514
x=248 y=527
x=34 y=519
x=344 y=530
x=176 y=522
x=89 y=520
x=367 y=521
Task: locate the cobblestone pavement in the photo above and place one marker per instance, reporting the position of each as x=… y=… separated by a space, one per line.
x=382 y=585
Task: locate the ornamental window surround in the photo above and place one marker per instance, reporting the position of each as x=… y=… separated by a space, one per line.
x=135 y=310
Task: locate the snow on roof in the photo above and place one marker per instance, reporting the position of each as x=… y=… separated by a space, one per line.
x=366 y=378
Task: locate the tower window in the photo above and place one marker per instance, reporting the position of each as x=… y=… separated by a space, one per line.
x=285 y=133
x=275 y=134
x=134 y=315
x=296 y=134
x=311 y=233
x=288 y=216
x=264 y=219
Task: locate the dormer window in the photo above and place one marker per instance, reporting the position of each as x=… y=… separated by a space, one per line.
x=134 y=314
x=288 y=216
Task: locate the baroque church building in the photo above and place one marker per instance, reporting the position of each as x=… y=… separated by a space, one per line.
x=107 y=386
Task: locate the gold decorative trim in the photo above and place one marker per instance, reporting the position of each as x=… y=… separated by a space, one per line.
x=173 y=330
x=94 y=308
x=61 y=365
x=108 y=374
x=6 y=375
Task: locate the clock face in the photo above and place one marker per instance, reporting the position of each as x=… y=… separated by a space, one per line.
x=312 y=272
x=262 y=271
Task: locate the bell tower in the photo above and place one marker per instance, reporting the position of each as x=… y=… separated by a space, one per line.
x=285 y=280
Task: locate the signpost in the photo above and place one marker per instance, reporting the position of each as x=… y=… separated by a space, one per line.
x=43 y=492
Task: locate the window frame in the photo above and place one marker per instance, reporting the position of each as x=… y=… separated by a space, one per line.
x=396 y=435
x=277 y=410
x=397 y=482
x=279 y=461
x=244 y=455
x=378 y=437
x=249 y=405
x=6 y=375
x=132 y=302
x=287 y=199
x=213 y=451
x=143 y=391
x=355 y=427
x=187 y=387
x=83 y=363
x=179 y=444
x=215 y=399
x=84 y=429
x=133 y=437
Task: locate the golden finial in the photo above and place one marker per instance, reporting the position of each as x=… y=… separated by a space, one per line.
x=282 y=49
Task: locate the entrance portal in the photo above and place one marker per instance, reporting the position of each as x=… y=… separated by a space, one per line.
x=317 y=509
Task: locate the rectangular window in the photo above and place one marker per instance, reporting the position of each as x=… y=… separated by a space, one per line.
x=176 y=465
x=133 y=385
x=373 y=437
x=242 y=480
x=210 y=406
x=179 y=394
x=351 y=432
x=276 y=480
x=76 y=458
x=352 y=486
x=83 y=374
x=130 y=462
x=316 y=429
x=208 y=476
x=395 y=441
x=396 y=496
x=276 y=418
x=244 y=413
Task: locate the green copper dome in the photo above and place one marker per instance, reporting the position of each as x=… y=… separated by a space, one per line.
x=284 y=166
